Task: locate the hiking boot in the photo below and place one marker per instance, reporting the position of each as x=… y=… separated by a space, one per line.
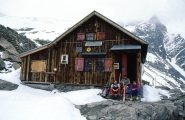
x=137 y=98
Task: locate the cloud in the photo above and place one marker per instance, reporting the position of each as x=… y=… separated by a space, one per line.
x=122 y=11
x=2 y=14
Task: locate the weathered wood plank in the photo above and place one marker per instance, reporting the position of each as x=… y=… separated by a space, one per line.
x=28 y=68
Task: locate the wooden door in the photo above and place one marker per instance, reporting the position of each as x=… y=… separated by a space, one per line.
x=117 y=67
x=94 y=70
x=124 y=65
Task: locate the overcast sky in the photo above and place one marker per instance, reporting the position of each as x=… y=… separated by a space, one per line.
x=170 y=12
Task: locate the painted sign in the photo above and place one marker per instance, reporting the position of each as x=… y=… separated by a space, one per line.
x=108 y=64
x=100 y=35
x=96 y=43
x=64 y=59
x=116 y=65
x=79 y=64
x=78 y=49
x=88 y=49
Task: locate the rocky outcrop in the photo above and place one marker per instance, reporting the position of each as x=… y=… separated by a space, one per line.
x=2 y=64
x=117 y=110
x=178 y=98
x=172 y=108
x=12 y=43
x=4 y=85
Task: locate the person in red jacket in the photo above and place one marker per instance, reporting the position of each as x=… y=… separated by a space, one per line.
x=115 y=88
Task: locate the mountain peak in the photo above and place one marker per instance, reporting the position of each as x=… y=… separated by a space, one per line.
x=154 y=19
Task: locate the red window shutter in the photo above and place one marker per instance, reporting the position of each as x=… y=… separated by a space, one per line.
x=108 y=64
x=80 y=36
x=100 y=35
x=79 y=64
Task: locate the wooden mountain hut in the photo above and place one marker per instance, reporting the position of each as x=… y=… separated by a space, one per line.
x=89 y=53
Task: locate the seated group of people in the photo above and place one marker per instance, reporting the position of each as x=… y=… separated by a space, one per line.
x=131 y=89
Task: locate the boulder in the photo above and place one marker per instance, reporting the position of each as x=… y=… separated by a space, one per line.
x=16 y=65
x=2 y=64
x=4 y=85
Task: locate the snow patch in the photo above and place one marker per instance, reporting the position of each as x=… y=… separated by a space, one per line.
x=173 y=63
x=13 y=76
x=32 y=104
x=82 y=97
x=151 y=57
x=152 y=94
x=157 y=78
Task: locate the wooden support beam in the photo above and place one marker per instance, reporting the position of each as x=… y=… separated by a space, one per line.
x=48 y=64
x=28 y=68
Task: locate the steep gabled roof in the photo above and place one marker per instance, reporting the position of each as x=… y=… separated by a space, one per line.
x=94 y=13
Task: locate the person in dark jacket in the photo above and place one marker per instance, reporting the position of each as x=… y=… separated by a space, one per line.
x=133 y=90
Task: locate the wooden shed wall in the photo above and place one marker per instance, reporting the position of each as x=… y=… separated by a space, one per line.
x=66 y=73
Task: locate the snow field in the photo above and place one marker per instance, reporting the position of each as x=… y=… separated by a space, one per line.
x=27 y=103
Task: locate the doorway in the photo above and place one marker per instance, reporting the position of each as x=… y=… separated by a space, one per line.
x=127 y=66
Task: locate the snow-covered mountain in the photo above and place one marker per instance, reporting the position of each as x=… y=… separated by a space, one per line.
x=37 y=28
x=166 y=53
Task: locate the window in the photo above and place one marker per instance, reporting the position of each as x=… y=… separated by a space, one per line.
x=93 y=64
x=100 y=65
x=90 y=36
x=64 y=59
x=88 y=65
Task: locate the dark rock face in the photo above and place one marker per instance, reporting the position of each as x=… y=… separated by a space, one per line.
x=12 y=43
x=2 y=64
x=42 y=42
x=21 y=43
x=178 y=98
x=4 y=85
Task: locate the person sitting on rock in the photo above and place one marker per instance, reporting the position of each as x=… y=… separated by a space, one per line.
x=115 y=88
x=133 y=90
x=125 y=80
x=123 y=83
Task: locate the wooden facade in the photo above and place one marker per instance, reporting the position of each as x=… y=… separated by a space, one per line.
x=89 y=53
